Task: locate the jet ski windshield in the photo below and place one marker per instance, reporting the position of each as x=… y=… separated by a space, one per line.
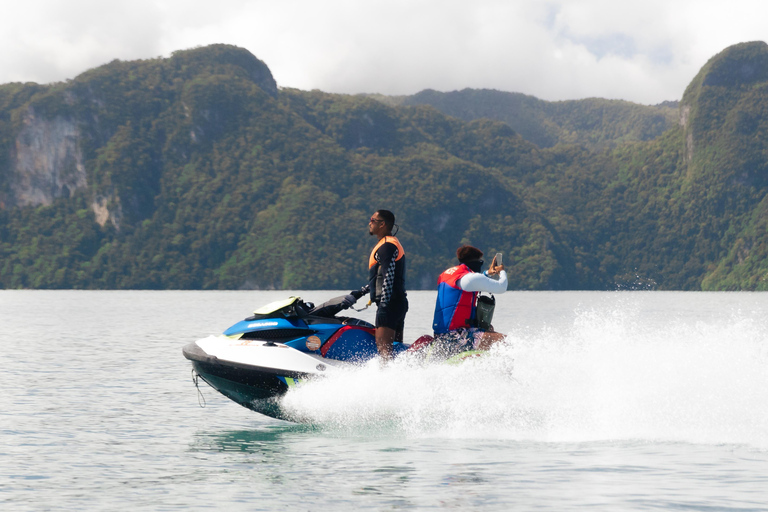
x=294 y=307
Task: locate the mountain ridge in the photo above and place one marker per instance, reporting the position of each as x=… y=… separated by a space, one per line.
x=593 y=122
x=197 y=171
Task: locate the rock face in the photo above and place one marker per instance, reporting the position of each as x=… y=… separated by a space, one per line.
x=58 y=130
x=48 y=161
x=721 y=99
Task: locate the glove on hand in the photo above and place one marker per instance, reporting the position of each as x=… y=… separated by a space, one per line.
x=359 y=293
x=349 y=300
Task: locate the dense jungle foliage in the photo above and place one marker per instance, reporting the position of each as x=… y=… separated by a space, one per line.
x=594 y=123
x=213 y=177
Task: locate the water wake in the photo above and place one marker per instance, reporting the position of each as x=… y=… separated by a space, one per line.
x=606 y=376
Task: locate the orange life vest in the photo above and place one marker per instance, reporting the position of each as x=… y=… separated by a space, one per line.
x=391 y=239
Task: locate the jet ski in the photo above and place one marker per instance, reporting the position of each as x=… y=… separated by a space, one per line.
x=257 y=360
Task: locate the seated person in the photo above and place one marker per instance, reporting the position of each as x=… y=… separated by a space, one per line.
x=454 y=323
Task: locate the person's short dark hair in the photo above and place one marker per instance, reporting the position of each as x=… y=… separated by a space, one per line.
x=468 y=253
x=389 y=218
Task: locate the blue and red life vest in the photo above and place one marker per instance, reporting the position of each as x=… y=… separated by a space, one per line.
x=454 y=308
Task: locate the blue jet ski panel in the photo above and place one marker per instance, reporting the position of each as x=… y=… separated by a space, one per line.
x=304 y=327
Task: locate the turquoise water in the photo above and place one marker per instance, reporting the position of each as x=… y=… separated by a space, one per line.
x=600 y=401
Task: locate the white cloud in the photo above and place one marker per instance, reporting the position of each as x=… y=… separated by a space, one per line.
x=561 y=49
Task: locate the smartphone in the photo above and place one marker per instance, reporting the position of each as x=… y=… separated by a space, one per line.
x=498 y=259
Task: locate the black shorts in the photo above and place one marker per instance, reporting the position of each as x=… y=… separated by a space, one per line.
x=392 y=316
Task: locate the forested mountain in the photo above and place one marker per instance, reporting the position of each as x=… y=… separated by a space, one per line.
x=197 y=171
x=595 y=123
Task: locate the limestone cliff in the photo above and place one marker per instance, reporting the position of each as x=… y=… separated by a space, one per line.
x=85 y=135
x=47 y=163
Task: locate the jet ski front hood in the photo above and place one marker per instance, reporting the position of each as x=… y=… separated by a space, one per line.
x=256 y=355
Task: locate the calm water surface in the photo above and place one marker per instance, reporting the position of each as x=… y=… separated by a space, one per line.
x=600 y=401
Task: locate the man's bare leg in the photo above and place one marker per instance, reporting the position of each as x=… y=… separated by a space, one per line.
x=385 y=337
x=488 y=339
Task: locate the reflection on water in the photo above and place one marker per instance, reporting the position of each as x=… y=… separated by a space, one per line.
x=251 y=441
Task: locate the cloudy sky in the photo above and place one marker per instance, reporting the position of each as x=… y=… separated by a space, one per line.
x=643 y=51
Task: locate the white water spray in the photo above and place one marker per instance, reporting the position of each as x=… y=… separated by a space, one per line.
x=611 y=374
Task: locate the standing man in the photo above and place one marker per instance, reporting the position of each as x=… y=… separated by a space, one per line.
x=386 y=277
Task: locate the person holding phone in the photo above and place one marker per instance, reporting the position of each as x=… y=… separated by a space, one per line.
x=455 y=320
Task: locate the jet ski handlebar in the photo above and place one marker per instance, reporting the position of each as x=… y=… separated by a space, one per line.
x=331 y=307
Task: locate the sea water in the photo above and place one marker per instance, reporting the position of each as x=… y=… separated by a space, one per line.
x=597 y=401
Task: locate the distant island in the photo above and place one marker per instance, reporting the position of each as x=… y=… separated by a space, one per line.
x=198 y=172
